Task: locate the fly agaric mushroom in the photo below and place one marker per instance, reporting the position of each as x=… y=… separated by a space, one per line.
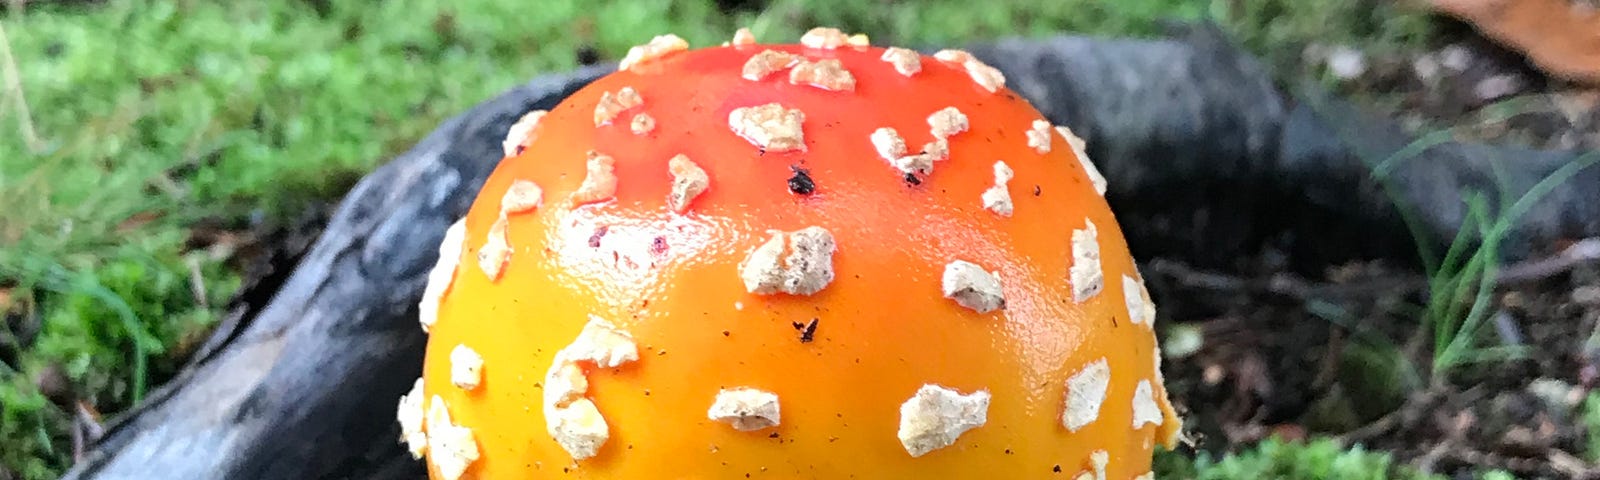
x=772 y=282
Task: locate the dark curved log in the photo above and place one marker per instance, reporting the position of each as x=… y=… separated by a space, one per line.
x=1329 y=149
x=1206 y=161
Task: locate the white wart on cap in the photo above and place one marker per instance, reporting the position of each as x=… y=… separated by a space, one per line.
x=466 y=367
x=442 y=274
x=688 y=182
x=451 y=448
x=599 y=181
x=571 y=419
x=972 y=287
x=936 y=416
x=769 y=126
x=410 y=414
x=745 y=409
x=1145 y=409
x=496 y=250
x=520 y=132
x=1088 y=278
x=1079 y=149
x=997 y=198
x=805 y=270
x=1086 y=392
x=660 y=46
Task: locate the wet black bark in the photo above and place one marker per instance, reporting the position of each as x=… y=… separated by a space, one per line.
x=1206 y=161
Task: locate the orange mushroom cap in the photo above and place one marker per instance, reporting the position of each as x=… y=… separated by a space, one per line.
x=824 y=260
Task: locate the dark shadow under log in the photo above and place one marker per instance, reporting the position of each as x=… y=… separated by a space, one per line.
x=1206 y=160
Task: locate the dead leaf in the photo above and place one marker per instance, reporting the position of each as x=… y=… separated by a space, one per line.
x=1561 y=38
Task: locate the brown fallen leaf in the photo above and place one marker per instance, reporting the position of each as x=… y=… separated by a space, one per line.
x=137 y=220
x=1559 y=36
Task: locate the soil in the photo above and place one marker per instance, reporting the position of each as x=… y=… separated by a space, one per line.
x=1288 y=356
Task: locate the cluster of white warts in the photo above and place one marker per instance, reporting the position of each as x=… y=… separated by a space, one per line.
x=795 y=263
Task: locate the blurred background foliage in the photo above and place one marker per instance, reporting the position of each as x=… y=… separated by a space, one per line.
x=148 y=144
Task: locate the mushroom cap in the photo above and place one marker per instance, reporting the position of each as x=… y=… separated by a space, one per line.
x=884 y=328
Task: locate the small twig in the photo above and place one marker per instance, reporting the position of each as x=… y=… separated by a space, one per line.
x=164 y=182
x=1453 y=440
x=1196 y=278
x=14 y=86
x=1328 y=372
x=1421 y=400
x=1554 y=459
x=1506 y=327
x=1288 y=285
x=197 y=284
x=78 y=443
x=1429 y=460
x=1583 y=252
x=1580 y=253
x=1371 y=430
x=1570 y=465
x=86 y=429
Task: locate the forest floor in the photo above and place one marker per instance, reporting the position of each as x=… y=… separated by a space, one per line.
x=1465 y=367
x=217 y=165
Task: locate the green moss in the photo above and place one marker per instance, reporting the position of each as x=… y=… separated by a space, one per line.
x=1277 y=459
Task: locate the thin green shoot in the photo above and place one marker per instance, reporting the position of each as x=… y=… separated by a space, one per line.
x=1456 y=331
x=41 y=272
x=1462 y=280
